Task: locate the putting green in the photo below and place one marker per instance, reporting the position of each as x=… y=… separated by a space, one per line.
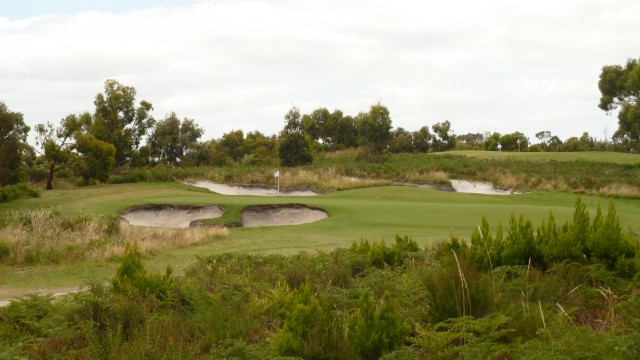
x=370 y=213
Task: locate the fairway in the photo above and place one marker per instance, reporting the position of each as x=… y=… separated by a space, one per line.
x=375 y=213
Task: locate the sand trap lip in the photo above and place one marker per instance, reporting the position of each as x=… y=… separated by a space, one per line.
x=224 y=189
x=282 y=214
x=475 y=187
x=169 y=216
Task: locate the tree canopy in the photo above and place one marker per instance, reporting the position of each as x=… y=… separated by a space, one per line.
x=118 y=121
x=620 y=88
x=13 y=137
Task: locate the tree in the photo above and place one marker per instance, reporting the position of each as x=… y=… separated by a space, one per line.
x=119 y=122
x=443 y=138
x=422 y=139
x=471 y=141
x=58 y=144
x=401 y=142
x=260 y=147
x=514 y=141
x=294 y=148
x=374 y=129
x=99 y=157
x=232 y=144
x=171 y=139
x=13 y=138
x=620 y=88
x=346 y=132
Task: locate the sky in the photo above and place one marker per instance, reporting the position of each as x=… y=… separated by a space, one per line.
x=492 y=65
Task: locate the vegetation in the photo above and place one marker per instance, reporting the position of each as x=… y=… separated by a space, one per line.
x=620 y=88
x=13 y=136
x=365 y=302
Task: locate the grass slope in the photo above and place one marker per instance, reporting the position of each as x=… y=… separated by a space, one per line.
x=595 y=156
x=372 y=213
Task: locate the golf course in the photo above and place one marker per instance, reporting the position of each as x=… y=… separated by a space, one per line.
x=74 y=239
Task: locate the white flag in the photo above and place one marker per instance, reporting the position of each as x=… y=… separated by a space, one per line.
x=277 y=174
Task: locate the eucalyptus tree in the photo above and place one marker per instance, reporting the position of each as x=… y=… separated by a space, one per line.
x=13 y=143
x=374 y=129
x=58 y=143
x=620 y=88
x=171 y=139
x=118 y=121
x=294 y=147
x=443 y=138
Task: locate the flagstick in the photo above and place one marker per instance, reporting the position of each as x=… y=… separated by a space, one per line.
x=278 y=184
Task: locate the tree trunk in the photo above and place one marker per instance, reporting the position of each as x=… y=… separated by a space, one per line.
x=52 y=170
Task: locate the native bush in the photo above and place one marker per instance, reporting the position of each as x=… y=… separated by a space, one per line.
x=376 y=330
x=132 y=279
x=580 y=240
x=457 y=289
x=311 y=330
x=520 y=244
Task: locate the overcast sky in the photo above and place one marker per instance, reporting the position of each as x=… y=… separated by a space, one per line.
x=492 y=65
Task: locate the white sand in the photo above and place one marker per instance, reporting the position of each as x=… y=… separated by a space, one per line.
x=473 y=187
x=278 y=215
x=170 y=216
x=247 y=190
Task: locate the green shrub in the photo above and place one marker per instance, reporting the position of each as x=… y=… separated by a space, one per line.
x=111 y=225
x=457 y=289
x=311 y=330
x=13 y=192
x=132 y=279
x=5 y=251
x=376 y=330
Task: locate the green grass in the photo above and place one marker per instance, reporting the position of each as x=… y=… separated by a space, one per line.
x=596 y=156
x=428 y=216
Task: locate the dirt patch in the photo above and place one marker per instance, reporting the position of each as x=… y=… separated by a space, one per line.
x=278 y=215
x=224 y=189
x=169 y=216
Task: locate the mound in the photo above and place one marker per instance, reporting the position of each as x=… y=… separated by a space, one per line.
x=169 y=216
x=277 y=215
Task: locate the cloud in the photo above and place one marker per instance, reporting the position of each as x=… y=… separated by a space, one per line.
x=484 y=66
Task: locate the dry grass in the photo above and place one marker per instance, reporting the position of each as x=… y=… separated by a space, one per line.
x=48 y=237
x=151 y=238
x=324 y=179
x=436 y=177
x=621 y=190
x=320 y=180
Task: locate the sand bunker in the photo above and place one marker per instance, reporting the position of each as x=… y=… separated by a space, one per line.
x=247 y=190
x=473 y=187
x=277 y=215
x=169 y=216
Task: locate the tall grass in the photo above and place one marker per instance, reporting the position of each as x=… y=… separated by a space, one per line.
x=46 y=236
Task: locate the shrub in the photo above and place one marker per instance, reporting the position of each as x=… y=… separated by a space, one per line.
x=457 y=289
x=311 y=330
x=132 y=279
x=13 y=192
x=375 y=331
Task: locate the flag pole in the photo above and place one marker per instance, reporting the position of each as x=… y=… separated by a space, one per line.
x=277 y=175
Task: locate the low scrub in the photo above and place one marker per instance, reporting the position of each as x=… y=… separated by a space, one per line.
x=370 y=301
x=14 y=192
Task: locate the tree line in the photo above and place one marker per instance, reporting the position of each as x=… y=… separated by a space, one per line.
x=122 y=134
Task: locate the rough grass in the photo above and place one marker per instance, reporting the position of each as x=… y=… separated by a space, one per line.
x=47 y=236
x=591 y=156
